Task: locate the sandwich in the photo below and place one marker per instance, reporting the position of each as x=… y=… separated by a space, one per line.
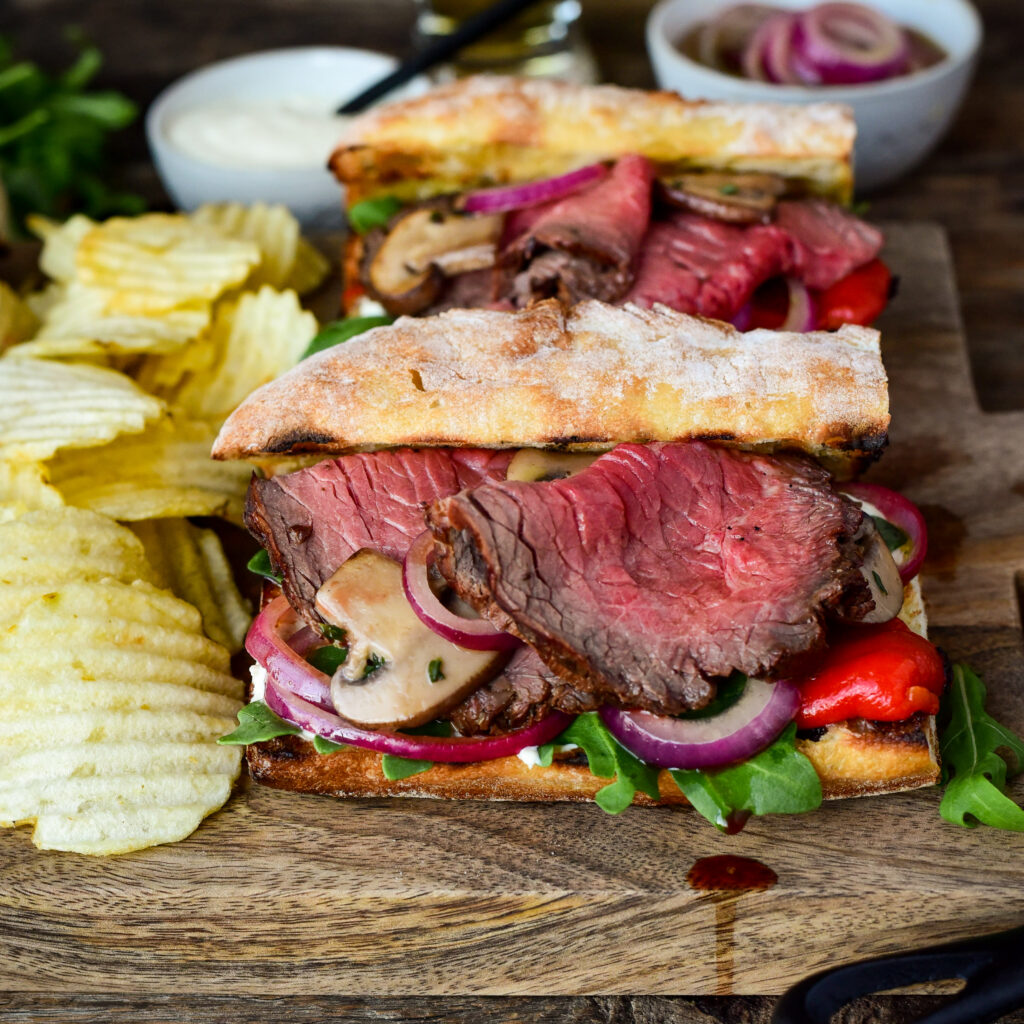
x=499 y=192
x=607 y=553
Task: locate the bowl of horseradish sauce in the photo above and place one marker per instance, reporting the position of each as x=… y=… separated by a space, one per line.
x=260 y=128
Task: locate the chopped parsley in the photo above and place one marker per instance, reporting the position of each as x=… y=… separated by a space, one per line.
x=374 y=663
x=879 y=583
x=336 y=634
x=435 y=670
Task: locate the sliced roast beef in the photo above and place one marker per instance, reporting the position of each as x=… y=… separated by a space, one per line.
x=698 y=265
x=659 y=568
x=827 y=241
x=313 y=520
x=523 y=694
x=583 y=246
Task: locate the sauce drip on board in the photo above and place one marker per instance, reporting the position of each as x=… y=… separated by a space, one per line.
x=725 y=878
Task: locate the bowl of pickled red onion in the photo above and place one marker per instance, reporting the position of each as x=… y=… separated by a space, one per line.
x=902 y=65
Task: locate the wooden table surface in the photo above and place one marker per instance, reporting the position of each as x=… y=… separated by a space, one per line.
x=973 y=185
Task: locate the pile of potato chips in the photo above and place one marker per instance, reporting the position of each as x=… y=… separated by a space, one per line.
x=115 y=641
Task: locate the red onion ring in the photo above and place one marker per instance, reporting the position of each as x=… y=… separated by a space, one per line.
x=473 y=634
x=900 y=512
x=726 y=36
x=739 y=732
x=447 y=749
x=802 y=315
x=850 y=43
x=514 y=197
x=777 y=51
x=269 y=643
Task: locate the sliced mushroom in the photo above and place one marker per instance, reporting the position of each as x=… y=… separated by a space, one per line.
x=398 y=671
x=736 y=198
x=405 y=268
x=530 y=464
x=881 y=575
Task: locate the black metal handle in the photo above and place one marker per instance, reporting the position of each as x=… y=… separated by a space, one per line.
x=469 y=31
x=992 y=966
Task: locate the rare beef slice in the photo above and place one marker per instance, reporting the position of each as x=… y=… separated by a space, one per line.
x=658 y=569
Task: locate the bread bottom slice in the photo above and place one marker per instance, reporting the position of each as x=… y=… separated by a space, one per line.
x=852 y=758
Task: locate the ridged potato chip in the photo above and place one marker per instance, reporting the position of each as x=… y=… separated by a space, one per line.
x=257 y=339
x=165 y=471
x=46 y=407
x=310 y=268
x=191 y=562
x=65 y=545
x=112 y=696
x=273 y=228
x=78 y=325
x=25 y=486
x=60 y=244
x=156 y=262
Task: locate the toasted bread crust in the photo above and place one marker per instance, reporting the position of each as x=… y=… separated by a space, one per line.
x=492 y=130
x=585 y=379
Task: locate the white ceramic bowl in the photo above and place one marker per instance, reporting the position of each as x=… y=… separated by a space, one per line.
x=312 y=193
x=899 y=121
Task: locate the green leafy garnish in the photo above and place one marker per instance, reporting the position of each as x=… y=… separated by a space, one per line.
x=879 y=583
x=372 y=213
x=607 y=759
x=395 y=768
x=322 y=746
x=861 y=208
x=327 y=659
x=893 y=536
x=779 y=780
x=977 y=753
x=256 y=723
x=53 y=137
x=728 y=693
x=260 y=565
x=729 y=189
x=373 y=663
x=338 y=331
x=435 y=670
x=329 y=631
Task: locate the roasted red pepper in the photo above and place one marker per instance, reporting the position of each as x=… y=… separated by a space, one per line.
x=885 y=673
x=858 y=298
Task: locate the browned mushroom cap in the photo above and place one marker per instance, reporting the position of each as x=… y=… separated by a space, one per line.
x=736 y=198
x=404 y=269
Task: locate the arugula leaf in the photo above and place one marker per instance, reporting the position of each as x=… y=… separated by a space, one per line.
x=728 y=693
x=323 y=746
x=260 y=565
x=338 y=331
x=395 y=768
x=778 y=780
x=372 y=213
x=975 y=751
x=327 y=659
x=256 y=722
x=893 y=536
x=607 y=759
x=53 y=137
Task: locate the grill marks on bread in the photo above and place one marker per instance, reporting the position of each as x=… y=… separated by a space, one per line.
x=658 y=568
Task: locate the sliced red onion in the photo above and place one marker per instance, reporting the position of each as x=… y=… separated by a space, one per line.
x=850 y=43
x=900 y=512
x=777 y=52
x=473 y=634
x=450 y=749
x=741 y=321
x=269 y=642
x=752 y=58
x=723 y=39
x=736 y=734
x=514 y=197
x=802 y=315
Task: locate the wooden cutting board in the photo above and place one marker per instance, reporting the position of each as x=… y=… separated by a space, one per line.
x=281 y=894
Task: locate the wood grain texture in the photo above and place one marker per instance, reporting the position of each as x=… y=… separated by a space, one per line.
x=403 y=898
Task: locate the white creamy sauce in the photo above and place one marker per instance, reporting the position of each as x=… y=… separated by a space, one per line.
x=296 y=131
x=365 y=306
x=530 y=757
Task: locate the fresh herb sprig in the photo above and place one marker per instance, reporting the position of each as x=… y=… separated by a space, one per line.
x=256 y=723
x=53 y=136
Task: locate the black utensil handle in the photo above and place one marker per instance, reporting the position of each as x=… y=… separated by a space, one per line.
x=992 y=966
x=469 y=31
